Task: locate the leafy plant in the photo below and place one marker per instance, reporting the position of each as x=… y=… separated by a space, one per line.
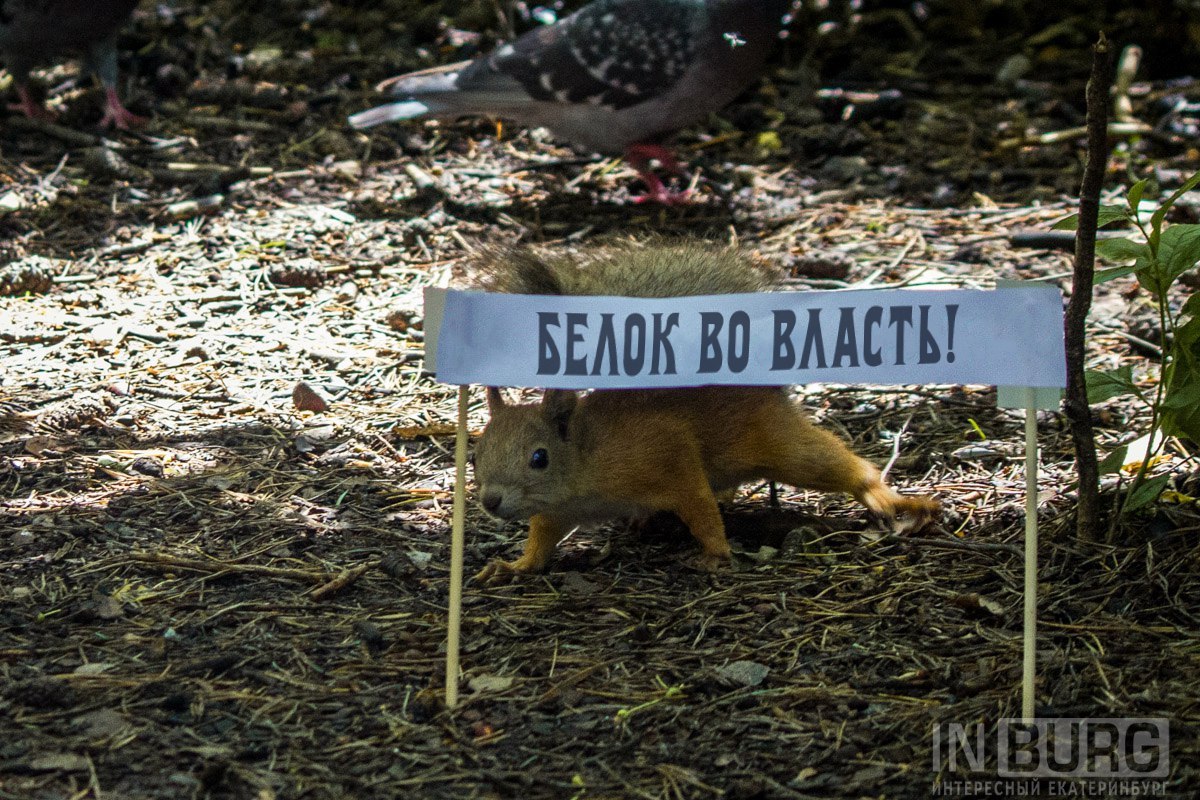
x=1159 y=253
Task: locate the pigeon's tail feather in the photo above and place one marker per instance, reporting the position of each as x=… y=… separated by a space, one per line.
x=447 y=105
x=429 y=93
x=392 y=112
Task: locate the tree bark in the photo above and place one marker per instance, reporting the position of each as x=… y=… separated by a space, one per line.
x=1087 y=521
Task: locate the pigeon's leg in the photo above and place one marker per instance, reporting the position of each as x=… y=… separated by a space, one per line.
x=639 y=157
x=118 y=115
x=30 y=107
x=102 y=58
x=647 y=152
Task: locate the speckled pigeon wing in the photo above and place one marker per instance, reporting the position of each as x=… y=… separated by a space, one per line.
x=613 y=53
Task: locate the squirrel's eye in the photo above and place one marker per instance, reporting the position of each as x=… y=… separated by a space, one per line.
x=540 y=459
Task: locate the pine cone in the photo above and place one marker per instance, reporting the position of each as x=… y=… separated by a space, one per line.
x=27 y=276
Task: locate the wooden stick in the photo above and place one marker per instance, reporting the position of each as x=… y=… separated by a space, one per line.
x=340 y=582
x=456 y=550
x=1127 y=67
x=216 y=566
x=1029 y=669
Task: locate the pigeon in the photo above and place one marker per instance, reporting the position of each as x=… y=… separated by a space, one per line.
x=33 y=30
x=616 y=76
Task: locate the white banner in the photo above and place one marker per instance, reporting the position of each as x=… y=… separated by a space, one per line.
x=1011 y=336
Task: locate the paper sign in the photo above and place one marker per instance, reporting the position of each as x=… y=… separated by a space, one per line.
x=1010 y=336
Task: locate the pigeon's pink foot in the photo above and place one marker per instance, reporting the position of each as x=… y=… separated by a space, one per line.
x=30 y=107
x=661 y=194
x=117 y=115
x=639 y=157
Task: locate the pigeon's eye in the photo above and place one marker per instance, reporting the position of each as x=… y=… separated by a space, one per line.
x=540 y=459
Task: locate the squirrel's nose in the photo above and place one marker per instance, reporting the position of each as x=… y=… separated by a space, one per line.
x=491 y=502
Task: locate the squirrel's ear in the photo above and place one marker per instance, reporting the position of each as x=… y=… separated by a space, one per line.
x=557 y=407
x=495 y=399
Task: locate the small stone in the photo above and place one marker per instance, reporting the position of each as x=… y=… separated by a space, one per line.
x=147 y=466
x=490 y=683
x=743 y=673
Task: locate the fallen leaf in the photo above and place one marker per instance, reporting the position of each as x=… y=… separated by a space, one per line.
x=58 y=762
x=40 y=446
x=101 y=724
x=975 y=602
x=804 y=775
x=11 y=201
x=318 y=438
x=92 y=668
x=577 y=584
x=765 y=554
x=106 y=606
x=887 y=605
x=305 y=398
x=490 y=683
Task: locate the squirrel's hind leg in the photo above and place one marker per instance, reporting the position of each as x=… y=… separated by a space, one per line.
x=906 y=514
x=803 y=455
x=703 y=518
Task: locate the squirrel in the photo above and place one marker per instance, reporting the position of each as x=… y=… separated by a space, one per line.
x=572 y=460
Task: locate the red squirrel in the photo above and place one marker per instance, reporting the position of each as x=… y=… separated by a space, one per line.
x=575 y=460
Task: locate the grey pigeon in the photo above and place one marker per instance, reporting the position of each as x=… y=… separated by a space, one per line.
x=615 y=76
x=33 y=30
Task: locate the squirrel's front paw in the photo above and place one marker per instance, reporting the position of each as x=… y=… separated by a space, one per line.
x=500 y=572
x=712 y=562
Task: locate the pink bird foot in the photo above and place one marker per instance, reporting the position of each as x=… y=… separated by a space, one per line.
x=639 y=157
x=117 y=115
x=661 y=194
x=30 y=107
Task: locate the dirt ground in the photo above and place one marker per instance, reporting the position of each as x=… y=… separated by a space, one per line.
x=210 y=592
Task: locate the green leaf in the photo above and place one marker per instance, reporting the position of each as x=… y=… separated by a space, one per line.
x=1192 y=306
x=1180 y=410
x=1069 y=223
x=1103 y=386
x=1145 y=494
x=1106 y=216
x=1149 y=275
x=1187 y=336
x=1185 y=395
x=1114 y=461
x=1120 y=249
x=1111 y=273
x=1157 y=218
x=1179 y=250
x=1134 y=195
x=1110 y=214
x=1184 y=423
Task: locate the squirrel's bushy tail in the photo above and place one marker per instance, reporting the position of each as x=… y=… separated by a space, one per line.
x=657 y=268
